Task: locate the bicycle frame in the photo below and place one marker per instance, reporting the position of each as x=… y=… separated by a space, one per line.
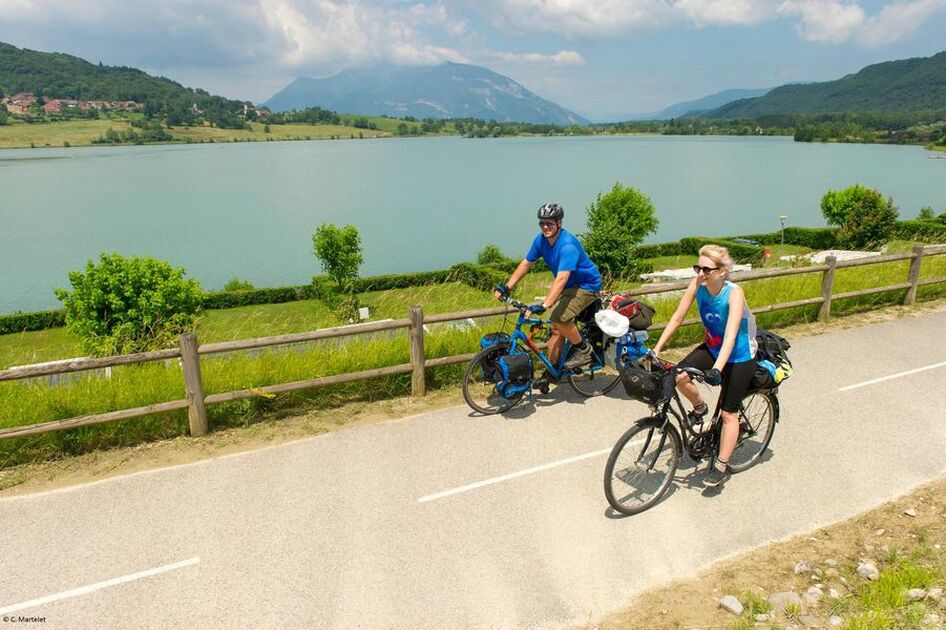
x=519 y=337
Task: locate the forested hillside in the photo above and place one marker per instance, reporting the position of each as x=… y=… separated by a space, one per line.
x=57 y=75
x=907 y=85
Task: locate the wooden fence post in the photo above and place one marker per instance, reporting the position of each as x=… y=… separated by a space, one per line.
x=193 y=385
x=827 y=286
x=914 y=277
x=416 y=339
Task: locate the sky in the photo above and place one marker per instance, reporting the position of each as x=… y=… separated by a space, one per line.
x=604 y=59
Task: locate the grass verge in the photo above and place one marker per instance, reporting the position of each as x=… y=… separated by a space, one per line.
x=42 y=400
x=905 y=539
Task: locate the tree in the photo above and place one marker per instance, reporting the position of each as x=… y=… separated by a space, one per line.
x=491 y=254
x=926 y=214
x=123 y=305
x=617 y=222
x=339 y=251
x=865 y=217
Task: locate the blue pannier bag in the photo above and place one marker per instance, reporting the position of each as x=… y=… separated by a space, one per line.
x=515 y=374
x=495 y=339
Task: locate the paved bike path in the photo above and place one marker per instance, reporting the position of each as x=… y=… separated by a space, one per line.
x=331 y=531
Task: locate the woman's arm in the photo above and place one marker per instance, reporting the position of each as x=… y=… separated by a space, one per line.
x=737 y=303
x=679 y=315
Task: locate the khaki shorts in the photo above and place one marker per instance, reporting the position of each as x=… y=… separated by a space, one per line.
x=572 y=302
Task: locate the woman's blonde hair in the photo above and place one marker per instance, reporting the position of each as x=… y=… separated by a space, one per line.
x=719 y=255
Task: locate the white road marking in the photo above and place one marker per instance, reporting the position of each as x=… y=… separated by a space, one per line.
x=85 y=590
x=521 y=473
x=892 y=376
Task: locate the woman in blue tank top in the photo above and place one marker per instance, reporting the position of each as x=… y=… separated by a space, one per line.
x=728 y=352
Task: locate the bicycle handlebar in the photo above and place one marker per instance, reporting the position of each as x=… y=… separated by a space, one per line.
x=694 y=373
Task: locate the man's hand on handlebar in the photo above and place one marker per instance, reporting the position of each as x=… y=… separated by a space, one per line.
x=535 y=309
x=501 y=292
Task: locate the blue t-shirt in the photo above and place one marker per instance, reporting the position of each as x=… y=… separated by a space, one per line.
x=714 y=311
x=567 y=254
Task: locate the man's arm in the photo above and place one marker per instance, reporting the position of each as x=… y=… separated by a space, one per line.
x=516 y=276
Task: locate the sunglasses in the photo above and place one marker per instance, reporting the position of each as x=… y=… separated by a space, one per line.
x=546 y=224
x=706 y=270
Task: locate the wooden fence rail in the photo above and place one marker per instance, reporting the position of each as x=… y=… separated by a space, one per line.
x=189 y=351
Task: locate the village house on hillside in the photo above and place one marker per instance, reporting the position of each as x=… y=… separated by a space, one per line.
x=20 y=104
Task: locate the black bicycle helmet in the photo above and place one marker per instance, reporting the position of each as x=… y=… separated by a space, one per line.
x=551 y=211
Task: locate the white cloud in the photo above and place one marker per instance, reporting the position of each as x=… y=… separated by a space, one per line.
x=825 y=21
x=561 y=58
x=580 y=19
x=725 y=12
x=898 y=20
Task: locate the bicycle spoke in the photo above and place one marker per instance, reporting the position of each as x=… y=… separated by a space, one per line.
x=640 y=468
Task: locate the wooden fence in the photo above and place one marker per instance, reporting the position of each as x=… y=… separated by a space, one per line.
x=189 y=351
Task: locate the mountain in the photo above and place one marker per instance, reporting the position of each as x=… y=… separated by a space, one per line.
x=707 y=103
x=449 y=90
x=694 y=107
x=905 y=85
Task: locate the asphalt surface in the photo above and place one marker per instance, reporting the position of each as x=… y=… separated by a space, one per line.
x=346 y=530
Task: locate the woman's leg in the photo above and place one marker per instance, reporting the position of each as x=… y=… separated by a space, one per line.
x=736 y=380
x=701 y=359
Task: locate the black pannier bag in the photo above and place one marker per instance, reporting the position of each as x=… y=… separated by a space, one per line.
x=514 y=373
x=651 y=386
x=773 y=365
x=761 y=379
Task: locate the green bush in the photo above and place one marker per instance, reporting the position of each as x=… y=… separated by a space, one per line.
x=238 y=285
x=740 y=252
x=766 y=238
x=275 y=295
x=477 y=276
x=339 y=250
x=400 y=280
x=813 y=238
x=491 y=254
x=617 y=222
x=865 y=217
x=658 y=249
x=123 y=305
x=924 y=231
x=38 y=320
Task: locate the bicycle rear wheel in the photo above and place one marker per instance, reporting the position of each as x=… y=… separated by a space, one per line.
x=479 y=383
x=641 y=465
x=595 y=379
x=758 y=414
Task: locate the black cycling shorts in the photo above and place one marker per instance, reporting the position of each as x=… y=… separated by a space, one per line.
x=736 y=376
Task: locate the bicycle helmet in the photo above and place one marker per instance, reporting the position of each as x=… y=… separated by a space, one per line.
x=551 y=211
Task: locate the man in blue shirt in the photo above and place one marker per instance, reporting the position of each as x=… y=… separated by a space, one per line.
x=576 y=285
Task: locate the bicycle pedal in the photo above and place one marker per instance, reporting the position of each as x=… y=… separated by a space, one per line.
x=542 y=385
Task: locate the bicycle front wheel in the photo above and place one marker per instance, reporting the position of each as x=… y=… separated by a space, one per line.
x=641 y=465
x=595 y=379
x=758 y=414
x=479 y=383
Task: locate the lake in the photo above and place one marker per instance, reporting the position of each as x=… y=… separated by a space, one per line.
x=248 y=211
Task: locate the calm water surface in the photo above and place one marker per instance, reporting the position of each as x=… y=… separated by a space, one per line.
x=248 y=210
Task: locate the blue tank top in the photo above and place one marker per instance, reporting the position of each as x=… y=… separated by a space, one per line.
x=714 y=311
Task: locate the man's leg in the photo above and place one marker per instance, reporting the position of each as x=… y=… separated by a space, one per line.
x=561 y=332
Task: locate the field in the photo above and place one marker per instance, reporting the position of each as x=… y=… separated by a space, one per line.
x=77 y=133
x=276 y=132
x=56 y=134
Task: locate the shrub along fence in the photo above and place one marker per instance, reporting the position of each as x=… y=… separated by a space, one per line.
x=189 y=351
